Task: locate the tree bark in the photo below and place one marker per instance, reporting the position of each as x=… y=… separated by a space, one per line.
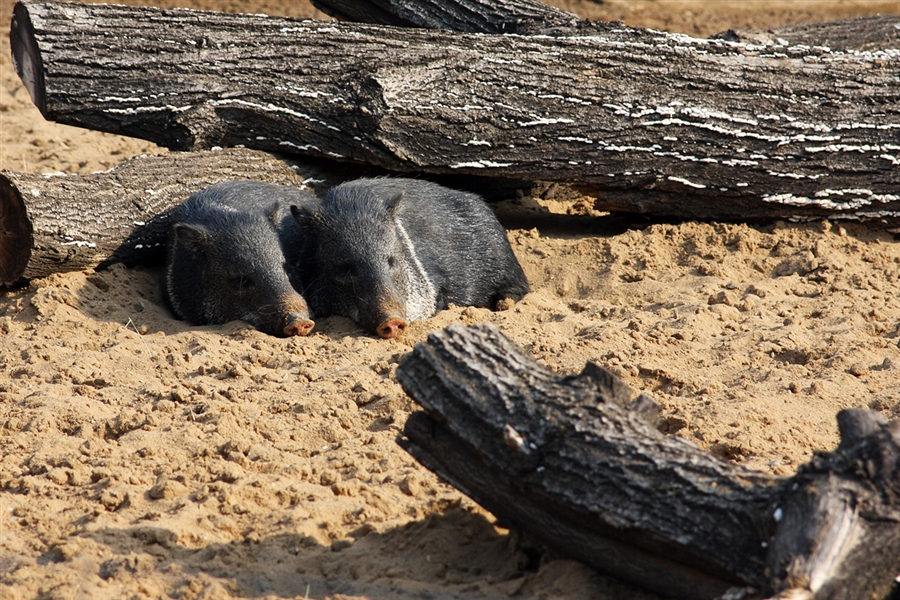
x=51 y=223
x=647 y=121
x=469 y=16
x=874 y=33
x=534 y=17
x=581 y=467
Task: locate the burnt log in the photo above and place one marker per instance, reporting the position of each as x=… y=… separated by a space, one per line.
x=646 y=121
x=580 y=466
x=52 y=223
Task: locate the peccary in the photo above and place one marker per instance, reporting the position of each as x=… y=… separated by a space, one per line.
x=225 y=258
x=387 y=251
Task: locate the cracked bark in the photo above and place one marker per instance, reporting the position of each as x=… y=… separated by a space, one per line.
x=72 y=222
x=646 y=121
x=580 y=466
x=532 y=16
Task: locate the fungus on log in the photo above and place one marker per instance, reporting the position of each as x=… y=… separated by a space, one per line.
x=51 y=223
x=580 y=466
x=647 y=121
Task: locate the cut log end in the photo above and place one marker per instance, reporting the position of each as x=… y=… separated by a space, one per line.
x=27 y=56
x=16 y=233
x=842 y=505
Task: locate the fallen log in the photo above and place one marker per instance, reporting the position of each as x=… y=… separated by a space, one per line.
x=647 y=121
x=580 y=466
x=864 y=33
x=522 y=17
x=52 y=223
x=529 y=17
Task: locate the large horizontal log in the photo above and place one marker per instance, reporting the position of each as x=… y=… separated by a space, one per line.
x=51 y=223
x=533 y=16
x=647 y=121
x=578 y=465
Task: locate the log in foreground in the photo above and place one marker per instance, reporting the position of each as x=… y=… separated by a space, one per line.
x=647 y=121
x=581 y=467
x=51 y=223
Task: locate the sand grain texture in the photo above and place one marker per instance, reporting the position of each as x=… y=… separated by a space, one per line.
x=141 y=457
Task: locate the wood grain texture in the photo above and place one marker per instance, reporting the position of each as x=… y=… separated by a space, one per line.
x=52 y=223
x=646 y=121
x=577 y=464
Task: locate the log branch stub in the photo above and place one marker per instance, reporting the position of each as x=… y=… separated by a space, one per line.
x=53 y=223
x=839 y=532
x=575 y=463
x=646 y=121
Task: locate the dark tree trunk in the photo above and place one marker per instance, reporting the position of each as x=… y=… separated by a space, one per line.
x=72 y=222
x=579 y=465
x=647 y=121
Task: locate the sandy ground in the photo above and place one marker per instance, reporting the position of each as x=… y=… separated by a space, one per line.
x=144 y=458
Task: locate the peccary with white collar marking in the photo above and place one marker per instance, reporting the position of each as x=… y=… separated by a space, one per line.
x=387 y=251
x=225 y=259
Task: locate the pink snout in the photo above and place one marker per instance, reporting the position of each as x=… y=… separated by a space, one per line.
x=391 y=328
x=298 y=325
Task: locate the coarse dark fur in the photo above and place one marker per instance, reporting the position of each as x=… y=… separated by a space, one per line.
x=404 y=247
x=225 y=258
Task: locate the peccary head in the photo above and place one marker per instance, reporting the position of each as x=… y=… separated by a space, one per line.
x=227 y=264
x=359 y=259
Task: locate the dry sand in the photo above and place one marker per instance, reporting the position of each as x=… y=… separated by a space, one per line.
x=141 y=457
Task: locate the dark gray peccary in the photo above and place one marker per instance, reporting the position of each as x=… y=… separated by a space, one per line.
x=225 y=258
x=391 y=250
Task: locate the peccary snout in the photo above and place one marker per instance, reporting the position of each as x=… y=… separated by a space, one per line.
x=391 y=328
x=298 y=324
x=382 y=309
x=386 y=252
x=226 y=261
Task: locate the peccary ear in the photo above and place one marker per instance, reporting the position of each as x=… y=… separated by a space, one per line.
x=309 y=218
x=272 y=213
x=195 y=237
x=393 y=204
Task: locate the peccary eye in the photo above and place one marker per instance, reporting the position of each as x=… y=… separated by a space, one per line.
x=392 y=261
x=241 y=283
x=347 y=269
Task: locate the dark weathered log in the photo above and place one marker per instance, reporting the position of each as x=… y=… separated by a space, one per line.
x=51 y=223
x=839 y=534
x=574 y=462
x=649 y=122
x=865 y=33
x=471 y=16
x=532 y=16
